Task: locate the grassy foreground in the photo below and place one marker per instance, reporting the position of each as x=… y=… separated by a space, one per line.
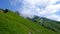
x=11 y=23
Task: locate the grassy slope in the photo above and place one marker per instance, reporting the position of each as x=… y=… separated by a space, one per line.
x=11 y=23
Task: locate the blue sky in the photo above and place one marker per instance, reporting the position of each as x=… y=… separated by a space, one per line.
x=5 y=4
x=29 y=8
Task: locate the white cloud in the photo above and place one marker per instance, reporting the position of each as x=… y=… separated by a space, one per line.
x=53 y=1
x=27 y=13
x=45 y=8
x=54 y=17
x=50 y=9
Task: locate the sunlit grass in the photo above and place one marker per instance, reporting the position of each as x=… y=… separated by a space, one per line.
x=11 y=23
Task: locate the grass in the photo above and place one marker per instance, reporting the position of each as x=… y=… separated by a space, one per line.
x=49 y=24
x=11 y=23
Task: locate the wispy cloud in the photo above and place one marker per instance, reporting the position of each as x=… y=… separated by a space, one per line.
x=54 y=16
x=46 y=8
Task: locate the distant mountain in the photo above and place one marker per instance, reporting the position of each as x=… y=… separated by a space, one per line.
x=47 y=23
x=11 y=23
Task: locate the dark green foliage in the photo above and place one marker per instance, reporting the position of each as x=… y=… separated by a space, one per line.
x=47 y=23
x=5 y=11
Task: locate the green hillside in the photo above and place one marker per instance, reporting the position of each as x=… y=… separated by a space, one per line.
x=47 y=23
x=11 y=23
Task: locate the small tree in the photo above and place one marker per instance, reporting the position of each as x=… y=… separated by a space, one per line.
x=6 y=11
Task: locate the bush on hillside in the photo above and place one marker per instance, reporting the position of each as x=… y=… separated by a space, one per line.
x=6 y=11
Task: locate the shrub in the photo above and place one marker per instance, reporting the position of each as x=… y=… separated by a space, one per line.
x=6 y=11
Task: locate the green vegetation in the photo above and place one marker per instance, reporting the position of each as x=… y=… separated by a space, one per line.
x=11 y=23
x=47 y=23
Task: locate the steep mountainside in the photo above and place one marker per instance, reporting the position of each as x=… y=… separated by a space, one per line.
x=47 y=23
x=11 y=23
